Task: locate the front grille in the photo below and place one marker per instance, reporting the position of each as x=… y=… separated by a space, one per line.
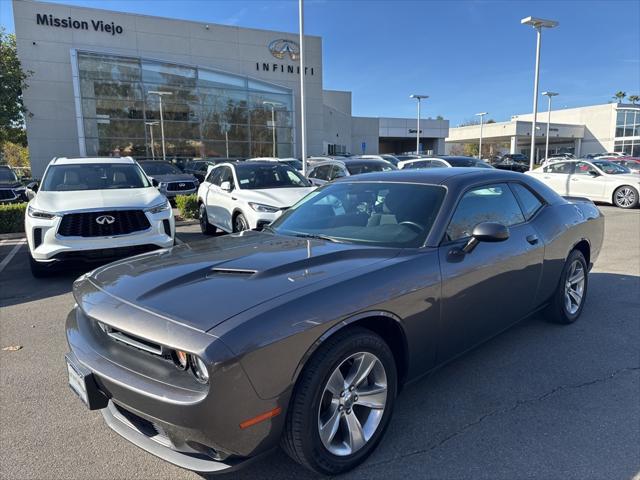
x=103 y=224
x=104 y=254
x=7 y=194
x=180 y=186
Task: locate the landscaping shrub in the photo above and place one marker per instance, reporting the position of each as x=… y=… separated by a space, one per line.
x=12 y=217
x=187 y=205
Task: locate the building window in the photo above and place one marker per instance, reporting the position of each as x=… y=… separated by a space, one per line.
x=205 y=114
x=628 y=123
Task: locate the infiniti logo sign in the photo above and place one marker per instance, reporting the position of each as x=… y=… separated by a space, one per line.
x=283 y=47
x=108 y=219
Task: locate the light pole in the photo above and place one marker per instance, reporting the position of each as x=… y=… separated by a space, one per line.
x=151 y=125
x=418 y=98
x=538 y=24
x=546 y=148
x=273 y=106
x=160 y=95
x=303 y=124
x=481 y=115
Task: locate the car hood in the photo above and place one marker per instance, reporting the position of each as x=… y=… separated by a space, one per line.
x=276 y=197
x=61 y=202
x=205 y=283
x=174 y=177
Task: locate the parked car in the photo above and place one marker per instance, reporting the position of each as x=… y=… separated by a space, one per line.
x=248 y=195
x=199 y=168
x=303 y=334
x=11 y=189
x=609 y=155
x=515 y=162
x=95 y=209
x=447 y=161
x=598 y=180
x=171 y=180
x=383 y=156
x=292 y=162
x=631 y=163
x=406 y=157
x=323 y=172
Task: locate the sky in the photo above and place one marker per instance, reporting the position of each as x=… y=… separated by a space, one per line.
x=469 y=56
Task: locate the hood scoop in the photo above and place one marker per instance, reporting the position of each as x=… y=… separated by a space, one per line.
x=235 y=272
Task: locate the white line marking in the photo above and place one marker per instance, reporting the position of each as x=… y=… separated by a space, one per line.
x=11 y=254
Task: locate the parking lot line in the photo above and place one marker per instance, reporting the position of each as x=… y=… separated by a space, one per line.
x=12 y=253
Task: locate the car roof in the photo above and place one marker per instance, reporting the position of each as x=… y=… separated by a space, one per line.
x=85 y=160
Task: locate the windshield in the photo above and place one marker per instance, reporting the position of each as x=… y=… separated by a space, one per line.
x=7 y=175
x=610 y=167
x=390 y=158
x=159 y=168
x=297 y=164
x=276 y=175
x=377 y=213
x=371 y=166
x=93 y=176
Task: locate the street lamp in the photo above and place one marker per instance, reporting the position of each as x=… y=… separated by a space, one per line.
x=273 y=106
x=538 y=24
x=418 y=97
x=160 y=95
x=548 y=94
x=151 y=125
x=481 y=115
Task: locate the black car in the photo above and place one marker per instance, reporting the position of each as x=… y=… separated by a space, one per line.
x=198 y=168
x=515 y=162
x=171 y=181
x=11 y=190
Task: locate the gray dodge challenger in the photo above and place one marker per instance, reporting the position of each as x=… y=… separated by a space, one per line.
x=302 y=335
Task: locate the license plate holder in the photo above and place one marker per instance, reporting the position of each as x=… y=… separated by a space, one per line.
x=83 y=384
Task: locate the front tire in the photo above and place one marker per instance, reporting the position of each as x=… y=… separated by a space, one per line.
x=568 y=301
x=342 y=403
x=205 y=227
x=240 y=223
x=625 y=197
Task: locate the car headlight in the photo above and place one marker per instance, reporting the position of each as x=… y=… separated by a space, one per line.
x=160 y=207
x=162 y=186
x=199 y=369
x=35 y=213
x=259 y=207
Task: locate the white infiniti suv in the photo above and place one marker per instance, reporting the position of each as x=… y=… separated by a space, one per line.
x=95 y=209
x=248 y=195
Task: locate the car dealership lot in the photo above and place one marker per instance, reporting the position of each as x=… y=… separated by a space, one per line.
x=540 y=400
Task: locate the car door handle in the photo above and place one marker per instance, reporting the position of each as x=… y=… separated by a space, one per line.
x=532 y=239
x=575 y=179
x=233 y=198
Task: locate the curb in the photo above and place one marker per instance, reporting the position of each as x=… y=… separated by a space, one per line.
x=11 y=236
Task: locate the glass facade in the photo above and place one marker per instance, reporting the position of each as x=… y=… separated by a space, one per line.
x=628 y=131
x=205 y=113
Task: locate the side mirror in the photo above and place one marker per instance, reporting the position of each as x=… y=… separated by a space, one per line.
x=593 y=173
x=486 y=232
x=155 y=182
x=33 y=186
x=226 y=186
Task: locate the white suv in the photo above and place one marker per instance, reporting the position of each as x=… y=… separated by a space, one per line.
x=95 y=209
x=248 y=195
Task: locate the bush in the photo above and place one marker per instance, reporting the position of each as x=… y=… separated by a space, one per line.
x=12 y=217
x=187 y=205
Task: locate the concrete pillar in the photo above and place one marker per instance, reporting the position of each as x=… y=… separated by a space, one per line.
x=577 y=146
x=439 y=147
x=514 y=144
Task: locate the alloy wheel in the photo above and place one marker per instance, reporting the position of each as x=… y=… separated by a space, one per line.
x=352 y=404
x=574 y=287
x=625 y=197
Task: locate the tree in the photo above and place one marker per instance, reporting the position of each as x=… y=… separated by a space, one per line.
x=619 y=96
x=15 y=155
x=12 y=83
x=634 y=98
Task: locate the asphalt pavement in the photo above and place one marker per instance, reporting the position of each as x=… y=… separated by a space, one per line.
x=539 y=401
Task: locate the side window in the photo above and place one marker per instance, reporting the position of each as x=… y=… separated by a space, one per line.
x=337 y=172
x=583 y=168
x=227 y=176
x=323 y=172
x=560 y=167
x=489 y=203
x=437 y=164
x=214 y=176
x=530 y=203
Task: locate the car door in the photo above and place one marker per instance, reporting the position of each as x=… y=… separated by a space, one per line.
x=218 y=200
x=227 y=199
x=493 y=286
x=556 y=175
x=587 y=181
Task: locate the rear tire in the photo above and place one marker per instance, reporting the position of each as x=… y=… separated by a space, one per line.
x=625 y=197
x=353 y=420
x=571 y=293
x=38 y=270
x=205 y=227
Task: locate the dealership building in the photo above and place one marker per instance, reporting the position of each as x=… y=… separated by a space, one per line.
x=111 y=83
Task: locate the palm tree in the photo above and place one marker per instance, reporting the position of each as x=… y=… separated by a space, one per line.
x=634 y=98
x=620 y=96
